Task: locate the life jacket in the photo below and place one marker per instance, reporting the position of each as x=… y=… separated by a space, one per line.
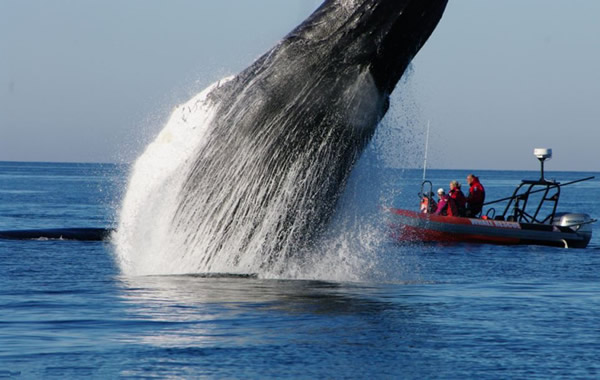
x=476 y=197
x=476 y=192
x=451 y=208
x=426 y=206
x=447 y=207
x=459 y=199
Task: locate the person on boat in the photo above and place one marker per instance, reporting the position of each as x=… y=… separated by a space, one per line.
x=476 y=196
x=459 y=198
x=428 y=204
x=446 y=205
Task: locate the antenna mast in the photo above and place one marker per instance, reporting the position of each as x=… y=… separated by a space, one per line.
x=426 y=148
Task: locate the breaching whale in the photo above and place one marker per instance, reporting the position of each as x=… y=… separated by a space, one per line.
x=278 y=143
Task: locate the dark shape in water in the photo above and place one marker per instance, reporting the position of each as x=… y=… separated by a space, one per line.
x=81 y=234
x=289 y=128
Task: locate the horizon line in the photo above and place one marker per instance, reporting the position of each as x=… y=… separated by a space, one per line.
x=387 y=167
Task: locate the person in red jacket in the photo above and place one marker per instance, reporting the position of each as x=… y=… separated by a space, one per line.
x=446 y=205
x=459 y=198
x=428 y=204
x=476 y=196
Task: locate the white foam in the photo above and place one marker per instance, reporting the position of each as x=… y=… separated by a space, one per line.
x=150 y=201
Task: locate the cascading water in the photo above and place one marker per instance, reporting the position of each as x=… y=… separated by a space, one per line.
x=143 y=236
x=238 y=221
x=147 y=243
x=246 y=176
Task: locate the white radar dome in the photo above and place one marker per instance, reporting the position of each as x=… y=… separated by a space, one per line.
x=543 y=153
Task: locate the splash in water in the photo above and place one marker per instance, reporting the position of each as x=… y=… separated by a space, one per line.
x=246 y=176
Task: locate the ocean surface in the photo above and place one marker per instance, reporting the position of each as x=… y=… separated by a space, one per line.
x=422 y=311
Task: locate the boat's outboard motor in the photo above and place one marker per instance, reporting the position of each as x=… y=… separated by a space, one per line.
x=580 y=223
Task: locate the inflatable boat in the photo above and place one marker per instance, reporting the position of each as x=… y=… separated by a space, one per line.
x=523 y=221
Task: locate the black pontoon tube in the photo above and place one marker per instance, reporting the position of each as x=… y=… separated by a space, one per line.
x=79 y=234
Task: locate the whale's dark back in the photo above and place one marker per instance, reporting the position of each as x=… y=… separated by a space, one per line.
x=289 y=129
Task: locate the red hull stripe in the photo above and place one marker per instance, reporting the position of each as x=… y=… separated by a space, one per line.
x=413 y=234
x=455 y=220
x=414 y=226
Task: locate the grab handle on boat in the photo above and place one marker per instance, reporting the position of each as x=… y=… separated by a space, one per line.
x=537 y=191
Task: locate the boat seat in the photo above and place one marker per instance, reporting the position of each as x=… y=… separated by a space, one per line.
x=499 y=217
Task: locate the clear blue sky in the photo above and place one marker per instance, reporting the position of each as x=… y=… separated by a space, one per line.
x=95 y=80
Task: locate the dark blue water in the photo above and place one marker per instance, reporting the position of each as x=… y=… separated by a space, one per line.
x=450 y=311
